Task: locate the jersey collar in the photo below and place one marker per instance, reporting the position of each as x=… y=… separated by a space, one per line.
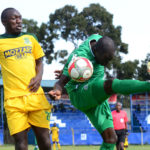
x=11 y=35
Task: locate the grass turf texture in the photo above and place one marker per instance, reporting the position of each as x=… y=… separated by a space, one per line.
x=131 y=147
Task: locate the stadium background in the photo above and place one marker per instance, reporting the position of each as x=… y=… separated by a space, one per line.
x=76 y=129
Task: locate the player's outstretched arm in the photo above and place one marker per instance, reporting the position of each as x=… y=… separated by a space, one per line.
x=55 y=94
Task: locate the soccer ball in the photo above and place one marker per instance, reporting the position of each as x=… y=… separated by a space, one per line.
x=80 y=69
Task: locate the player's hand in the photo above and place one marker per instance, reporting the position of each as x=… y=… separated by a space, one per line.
x=34 y=84
x=58 y=74
x=55 y=94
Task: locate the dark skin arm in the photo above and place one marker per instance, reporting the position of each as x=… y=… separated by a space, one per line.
x=60 y=84
x=36 y=81
x=55 y=94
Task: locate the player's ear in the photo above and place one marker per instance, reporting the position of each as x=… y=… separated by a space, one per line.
x=4 y=23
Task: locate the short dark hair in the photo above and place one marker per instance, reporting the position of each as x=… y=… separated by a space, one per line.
x=4 y=13
x=105 y=43
x=119 y=103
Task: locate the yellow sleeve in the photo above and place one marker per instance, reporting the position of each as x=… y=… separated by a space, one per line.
x=37 y=49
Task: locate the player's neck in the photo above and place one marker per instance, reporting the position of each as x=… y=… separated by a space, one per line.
x=12 y=33
x=92 y=43
x=118 y=111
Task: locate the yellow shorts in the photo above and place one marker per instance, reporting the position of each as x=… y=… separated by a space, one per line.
x=55 y=139
x=24 y=111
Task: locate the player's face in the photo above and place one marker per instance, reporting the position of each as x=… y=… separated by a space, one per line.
x=103 y=58
x=13 y=23
x=118 y=107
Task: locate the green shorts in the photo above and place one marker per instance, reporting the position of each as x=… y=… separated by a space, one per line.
x=88 y=95
x=101 y=117
x=91 y=99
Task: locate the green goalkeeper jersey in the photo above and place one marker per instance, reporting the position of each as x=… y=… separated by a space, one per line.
x=84 y=50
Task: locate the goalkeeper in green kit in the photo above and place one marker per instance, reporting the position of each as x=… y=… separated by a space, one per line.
x=91 y=96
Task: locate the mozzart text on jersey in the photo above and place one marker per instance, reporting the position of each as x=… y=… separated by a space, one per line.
x=21 y=51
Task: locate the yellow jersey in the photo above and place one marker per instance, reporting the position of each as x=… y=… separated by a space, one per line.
x=55 y=132
x=17 y=59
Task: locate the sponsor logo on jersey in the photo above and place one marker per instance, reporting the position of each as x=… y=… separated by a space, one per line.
x=18 y=52
x=27 y=41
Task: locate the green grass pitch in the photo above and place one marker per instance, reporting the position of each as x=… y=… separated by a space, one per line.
x=131 y=147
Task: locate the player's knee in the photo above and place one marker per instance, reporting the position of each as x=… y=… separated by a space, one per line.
x=20 y=145
x=115 y=138
x=108 y=86
x=111 y=140
x=45 y=144
x=20 y=141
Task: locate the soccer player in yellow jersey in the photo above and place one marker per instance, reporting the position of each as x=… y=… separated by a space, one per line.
x=25 y=103
x=55 y=136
